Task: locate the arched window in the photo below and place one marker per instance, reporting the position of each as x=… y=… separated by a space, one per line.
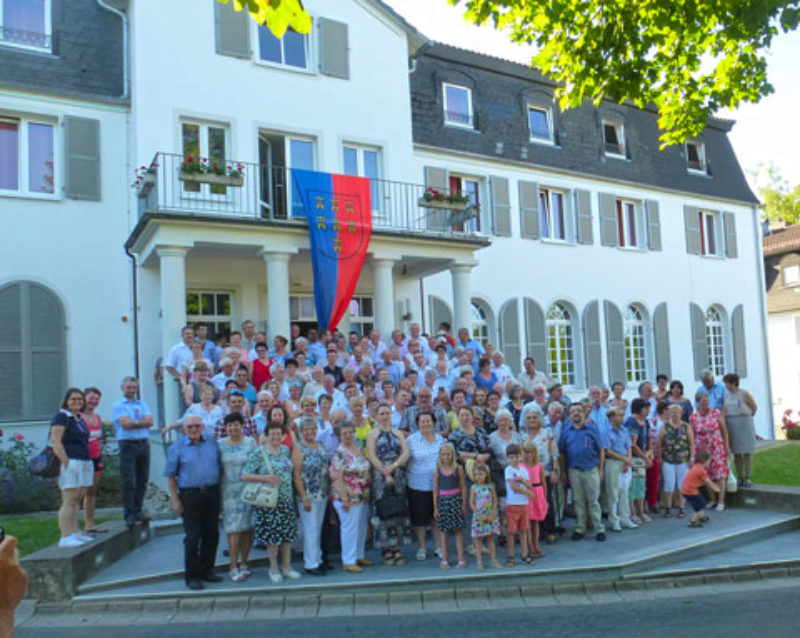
x=32 y=352
x=560 y=344
x=480 y=322
x=715 y=341
x=635 y=345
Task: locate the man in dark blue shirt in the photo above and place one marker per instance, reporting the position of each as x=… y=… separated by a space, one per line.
x=582 y=452
x=193 y=474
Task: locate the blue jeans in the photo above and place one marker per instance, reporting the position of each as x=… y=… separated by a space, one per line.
x=134 y=472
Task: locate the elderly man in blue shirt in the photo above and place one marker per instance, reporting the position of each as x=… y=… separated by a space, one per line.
x=193 y=471
x=582 y=452
x=714 y=389
x=619 y=460
x=132 y=421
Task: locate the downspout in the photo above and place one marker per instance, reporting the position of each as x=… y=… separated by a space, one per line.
x=764 y=315
x=135 y=284
x=125 y=57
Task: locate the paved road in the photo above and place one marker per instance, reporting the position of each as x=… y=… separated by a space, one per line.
x=760 y=611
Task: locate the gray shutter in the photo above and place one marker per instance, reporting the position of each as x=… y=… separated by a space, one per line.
x=615 y=343
x=592 y=348
x=439 y=312
x=509 y=334
x=535 y=333
x=609 y=232
x=699 y=346
x=530 y=227
x=729 y=225
x=501 y=207
x=47 y=349
x=11 y=349
x=333 y=48
x=82 y=158
x=739 y=348
x=436 y=178
x=583 y=216
x=653 y=225
x=232 y=30
x=691 y=219
x=661 y=339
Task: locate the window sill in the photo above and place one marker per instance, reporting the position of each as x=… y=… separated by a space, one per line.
x=6 y=44
x=48 y=197
x=616 y=156
x=557 y=242
x=698 y=173
x=283 y=67
x=543 y=142
x=461 y=127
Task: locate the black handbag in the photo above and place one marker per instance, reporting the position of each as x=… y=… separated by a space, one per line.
x=45 y=464
x=498 y=477
x=391 y=505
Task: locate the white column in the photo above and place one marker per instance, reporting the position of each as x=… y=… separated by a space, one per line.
x=383 y=296
x=277 y=293
x=173 y=316
x=462 y=295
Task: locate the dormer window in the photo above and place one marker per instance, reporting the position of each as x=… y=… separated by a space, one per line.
x=25 y=23
x=613 y=139
x=457 y=106
x=791 y=276
x=696 y=157
x=540 y=124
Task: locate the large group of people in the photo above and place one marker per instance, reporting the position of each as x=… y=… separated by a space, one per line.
x=354 y=437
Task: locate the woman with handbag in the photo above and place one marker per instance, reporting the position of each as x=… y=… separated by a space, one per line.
x=388 y=453
x=69 y=438
x=276 y=525
x=350 y=473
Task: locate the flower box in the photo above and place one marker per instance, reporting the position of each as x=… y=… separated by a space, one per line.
x=211 y=178
x=146 y=183
x=442 y=204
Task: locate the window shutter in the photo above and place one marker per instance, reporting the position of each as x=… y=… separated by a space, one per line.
x=509 y=334
x=82 y=158
x=11 y=353
x=609 y=232
x=692 y=221
x=535 y=334
x=699 y=346
x=333 y=48
x=593 y=350
x=583 y=216
x=661 y=339
x=439 y=312
x=529 y=210
x=653 y=225
x=46 y=321
x=501 y=209
x=615 y=343
x=731 y=249
x=232 y=30
x=437 y=178
x=739 y=348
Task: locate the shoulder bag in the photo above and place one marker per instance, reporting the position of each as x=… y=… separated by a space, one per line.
x=261 y=495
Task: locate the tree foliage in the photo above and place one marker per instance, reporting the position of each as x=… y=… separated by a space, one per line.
x=688 y=57
x=277 y=15
x=781 y=201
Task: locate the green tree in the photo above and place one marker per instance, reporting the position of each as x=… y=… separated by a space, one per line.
x=278 y=15
x=781 y=201
x=687 y=57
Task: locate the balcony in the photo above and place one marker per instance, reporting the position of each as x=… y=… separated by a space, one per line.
x=265 y=194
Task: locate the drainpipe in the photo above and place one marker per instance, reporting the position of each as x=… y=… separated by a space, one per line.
x=125 y=57
x=757 y=232
x=135 y=285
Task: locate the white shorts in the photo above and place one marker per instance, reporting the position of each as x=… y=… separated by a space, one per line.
x=78 y=474
x=672 y=475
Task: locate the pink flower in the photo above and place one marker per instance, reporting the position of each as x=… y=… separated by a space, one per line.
x=18 y=437
x=1 y=433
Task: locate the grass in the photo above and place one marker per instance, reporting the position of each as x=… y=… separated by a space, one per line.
x=778 y=465
x=34 y=533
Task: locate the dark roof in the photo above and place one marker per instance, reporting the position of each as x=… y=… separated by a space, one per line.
x=501 y=91
x=782 y=241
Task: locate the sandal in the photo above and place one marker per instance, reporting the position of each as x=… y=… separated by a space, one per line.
x=530 y=560
x=510 y=562
x=96 y=530
x=695 y=524
x=398 y=557
x=237 y=576
x=667 y=513
x=444 y=564
x=462 y=564
x=421 y=554
x=388 y=557
x=681 y=513
x=539 y=553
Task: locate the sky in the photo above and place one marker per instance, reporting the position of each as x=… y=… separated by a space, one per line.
x=764 y=132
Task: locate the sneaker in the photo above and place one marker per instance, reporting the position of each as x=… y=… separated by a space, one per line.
x=290 y=574
x=439 y=552
x=646 y=518
x=577 y=536
x=616 y=527
x=601 y=536
x=720 y=507
x=630 y=525
x=244 y=568
x=275 y=577
x=70 y=541
x=84 y=538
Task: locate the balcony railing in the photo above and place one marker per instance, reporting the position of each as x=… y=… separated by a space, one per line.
x=267 y=194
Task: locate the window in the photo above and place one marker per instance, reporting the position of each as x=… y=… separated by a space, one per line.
x=635 y=350
x=696 y=156
x=791 y=276
x=362 y=317
x=212 y=308
x=205 y=141
x=26 y=156
x=480 y=322
x=710 y=234
x=365 y=161
x=553 y=221
x=540 y=124
x=471 y=188
x=629 y=226
x=715 y=341
x=32 y=352
x=25 y=23
x=457 y=106
x=276 y=154
x=613 y=139
x=560 y=344
x=291 y=50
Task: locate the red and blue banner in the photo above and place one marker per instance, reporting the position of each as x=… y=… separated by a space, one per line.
x=339 y=214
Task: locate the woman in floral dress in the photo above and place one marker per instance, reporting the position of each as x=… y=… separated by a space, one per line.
x=388 y=452
x=711 y=435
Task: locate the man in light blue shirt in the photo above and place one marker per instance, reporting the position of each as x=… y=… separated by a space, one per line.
x=599 y=413
x=465 y=342
x=714 y=389
x=618 y=461
x=132 y=422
